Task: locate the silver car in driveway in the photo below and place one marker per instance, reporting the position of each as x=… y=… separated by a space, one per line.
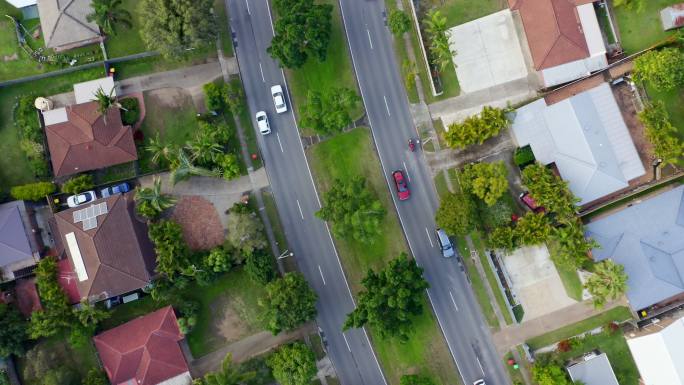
x=262 y=123
x=279 y=99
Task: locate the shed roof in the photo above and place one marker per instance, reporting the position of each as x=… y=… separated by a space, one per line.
x=595 y=370
x=112 y=258
x=144 y=351
x=660 y=356
x=22 y=3
x=648 y=240
x=85 y=92
x=586 y=137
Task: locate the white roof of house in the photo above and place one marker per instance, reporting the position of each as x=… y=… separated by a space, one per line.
x=488 y=52
x=597 y=52
x=85 y=92
x=587 y=139
x=594 y=370
x=22 y=3
x=660 y=356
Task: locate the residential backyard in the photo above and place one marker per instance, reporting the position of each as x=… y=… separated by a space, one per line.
x=127 y=41
x=345 y=156
x=640 y=30
x=14 y=167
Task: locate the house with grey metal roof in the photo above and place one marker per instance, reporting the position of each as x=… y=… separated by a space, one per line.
x=647 y=238
x=585 y=137
x=593 y=370
x=65 y=24
x=19 y=250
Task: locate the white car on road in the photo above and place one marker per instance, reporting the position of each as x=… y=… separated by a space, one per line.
x=278 y=99
x=262 y=123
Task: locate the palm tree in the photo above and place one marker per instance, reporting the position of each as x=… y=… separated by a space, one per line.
x=609 y=281
x=204 y=149
x=183 y=168
x=108 y=13
x=154 y=197
x=227 y=375
x=442 y=54
x=159 y=150
x=105 y=102
x=435 y=23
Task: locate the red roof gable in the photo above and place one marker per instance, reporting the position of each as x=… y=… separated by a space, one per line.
x=86 y=142
x=553 y=30
x=144 y=350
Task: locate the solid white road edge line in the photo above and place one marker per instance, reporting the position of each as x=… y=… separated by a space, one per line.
x=270 y=17
x=262 y=73
x=427 y=232
x=478 y=362
x=386 y=105
x=248 y=12
x=407 y=173
x=369 y=39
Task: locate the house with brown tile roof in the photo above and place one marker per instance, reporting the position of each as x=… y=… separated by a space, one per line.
x=108 y=248
x=564 y=38
x=82 y=139
x=144 y=351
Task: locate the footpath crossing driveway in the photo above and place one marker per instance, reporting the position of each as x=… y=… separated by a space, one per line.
x=296 y=197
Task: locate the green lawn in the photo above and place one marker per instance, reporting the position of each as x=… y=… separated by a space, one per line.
x=568 y=275
x=461 y=11
x=615 y=347
x=55 y=352
x=127 y=41
x=640 y=30
x=335 y=71
x=617 y=314
x=673 y=101
x=14 y=168
x=248 y=131
x=514 y=374
x=224 y=29
x=144 y=66
x=272 y=212
x=491 y=278
x=351 y=154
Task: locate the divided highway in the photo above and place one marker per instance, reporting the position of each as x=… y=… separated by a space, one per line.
x=452 y=299
x=296 y=197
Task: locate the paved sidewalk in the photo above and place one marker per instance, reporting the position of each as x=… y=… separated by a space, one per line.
x=508 y=338
x=247 y=348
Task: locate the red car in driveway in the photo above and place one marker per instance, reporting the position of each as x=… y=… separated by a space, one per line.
x=402 y=186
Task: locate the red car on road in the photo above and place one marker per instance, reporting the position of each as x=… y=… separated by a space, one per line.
x=402 y=186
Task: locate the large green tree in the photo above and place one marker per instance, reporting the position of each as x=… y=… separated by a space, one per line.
x=293 y=364
x=399 y=22
x=353 y=209
x=56 y=315
x=532 y=229
x=245 y=231
x=608 y=282
x=661 y=133
x=456 y=214
x=150 y=201
x=109 y=13
x=549 y=190
x=486 y=181
x=228 y=374
x=173 y=256
x=302 y=29
x=329 y=112
x=12 y=331
x=476 y=129
x=288 y=303
x=390 y=298
x=662 y=69
x=173 y=26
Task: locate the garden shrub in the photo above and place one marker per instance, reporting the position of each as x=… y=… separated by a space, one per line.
x=27 y=123
x=32 y=191
x=523 y=156
x=518 y=312
x=78 y=184
x=259 y=266
x=130 y=111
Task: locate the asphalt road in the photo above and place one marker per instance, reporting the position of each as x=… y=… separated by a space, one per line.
x=296 y=197
x=450 y=294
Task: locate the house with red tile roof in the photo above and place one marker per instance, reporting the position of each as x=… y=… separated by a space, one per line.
x=81 y=139
x=144 y=351
x=564 y=38
x=107 y=247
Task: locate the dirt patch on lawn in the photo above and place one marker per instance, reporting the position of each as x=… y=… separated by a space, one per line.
x=227 y=322
x=170 y=97
x=202 y=229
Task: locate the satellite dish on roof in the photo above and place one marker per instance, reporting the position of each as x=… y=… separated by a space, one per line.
x=43 y=104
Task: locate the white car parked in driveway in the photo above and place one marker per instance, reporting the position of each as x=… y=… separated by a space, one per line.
x=278 y=99
x=262 y=123
x=82 y=198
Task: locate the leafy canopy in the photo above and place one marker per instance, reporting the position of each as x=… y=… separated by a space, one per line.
x=456 y=214
x=661 y=133
x=302 y=29
x=663 y=69
x=353 y=209
x=288 y=303
x=415 y=379
x=329 y=112
x=608 y=282
x=245 y=230
x=486 y=181
x=293 y=364
x=173 y=256
x=549 y=191
x=12 y=331
x=399 y=22
x=476 y=129
x=107 y=14
x=390 y=299
x=78 y=184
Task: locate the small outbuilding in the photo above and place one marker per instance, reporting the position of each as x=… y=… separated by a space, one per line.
x=593 y=369
x=673 y=16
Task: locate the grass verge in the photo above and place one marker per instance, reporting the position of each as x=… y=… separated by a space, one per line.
x=351 y=154
x=14 y=167
x=157 y=63
x=513 y=373
x=491 y=278
x=477 y=284
x=335 y=72
x=403 y=61
x=224 y=27
x=617 y=314
x=248 y=131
